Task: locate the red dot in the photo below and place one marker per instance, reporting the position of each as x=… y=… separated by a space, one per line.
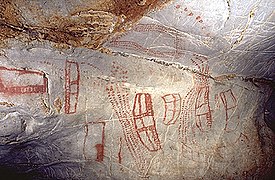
x=198 y=18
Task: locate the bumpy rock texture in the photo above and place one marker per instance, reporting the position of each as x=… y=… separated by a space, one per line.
x=137 y=89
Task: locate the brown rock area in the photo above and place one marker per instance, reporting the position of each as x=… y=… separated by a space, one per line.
x=87 y=24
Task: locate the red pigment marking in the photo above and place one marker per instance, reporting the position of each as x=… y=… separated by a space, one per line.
x=190 y=14
x=242 y=138
x=119 y=72
x=185 y=9
x=120 y=151
x=217 y=102
x=11 y=89
x=144 y=121
x=119 y=99
x=202 y=107
x=131 y=45
x=71 y=86
x=186 y=115
x=172 y=108
x=229 y=102
x=100 y=152
x=177 y=6
x=21 y=71
x=99 y=147
x=196 y=105
x=198 y=18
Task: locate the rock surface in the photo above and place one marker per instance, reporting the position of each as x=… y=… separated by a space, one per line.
x=156 y=90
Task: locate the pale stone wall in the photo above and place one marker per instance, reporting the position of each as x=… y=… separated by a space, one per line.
x=180 y=95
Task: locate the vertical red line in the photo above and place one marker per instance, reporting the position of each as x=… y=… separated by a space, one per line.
x=174 y=107
x=100 y=147
x=77 y=85
x=165 y=111
x=67 y=87
x=120 y=149
x=148 y=112
x=139 y=103
x=68 y=83
x=224 y=101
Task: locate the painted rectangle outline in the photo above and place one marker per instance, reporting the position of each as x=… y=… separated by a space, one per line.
x=68 y=84
x=28 y=89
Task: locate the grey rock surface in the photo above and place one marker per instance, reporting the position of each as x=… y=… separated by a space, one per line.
x=186 y=93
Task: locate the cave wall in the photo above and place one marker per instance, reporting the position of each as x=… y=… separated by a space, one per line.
x=153 y=89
